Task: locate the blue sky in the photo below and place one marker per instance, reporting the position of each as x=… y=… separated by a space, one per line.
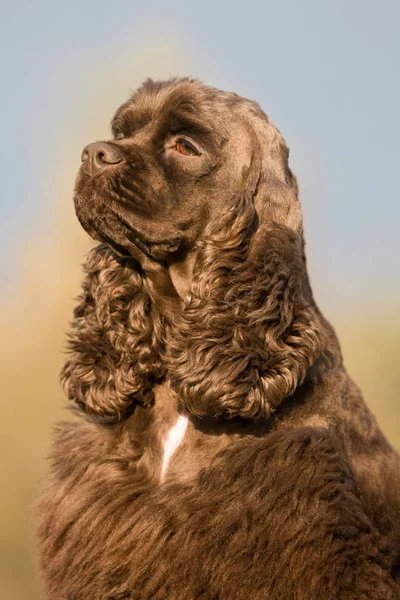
x=326 y=72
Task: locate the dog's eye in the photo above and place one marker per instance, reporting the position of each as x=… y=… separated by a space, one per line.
x=185 y=147
x=118 y=135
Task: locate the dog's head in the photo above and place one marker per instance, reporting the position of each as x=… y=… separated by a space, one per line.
x=181 y=152
x=193 y=171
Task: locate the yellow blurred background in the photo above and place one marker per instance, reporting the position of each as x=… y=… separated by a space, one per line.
x=43 y=245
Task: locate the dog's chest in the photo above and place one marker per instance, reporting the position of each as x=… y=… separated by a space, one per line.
x=172 y=441
x=176 y=446
x=172 y=446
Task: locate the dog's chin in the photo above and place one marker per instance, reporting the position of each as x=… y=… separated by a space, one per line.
x=107 y=223
x=159 y=250
x=131 y=244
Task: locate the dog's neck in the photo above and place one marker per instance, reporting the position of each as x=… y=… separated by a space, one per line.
x=169 y=283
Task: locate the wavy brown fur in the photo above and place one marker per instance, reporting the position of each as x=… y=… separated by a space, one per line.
x=249 y=321
x=198 y=302
x=116 y=339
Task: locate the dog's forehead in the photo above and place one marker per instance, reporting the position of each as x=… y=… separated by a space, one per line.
x=222 y=119
x=205 y=107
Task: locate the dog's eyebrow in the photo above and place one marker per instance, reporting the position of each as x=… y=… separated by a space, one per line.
x=182 y=113
x=129 y=120
x=178 y=114
x=169 y=121
x=173 y=120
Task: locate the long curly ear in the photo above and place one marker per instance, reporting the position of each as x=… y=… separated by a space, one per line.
x=250 y=330
x=116 y=339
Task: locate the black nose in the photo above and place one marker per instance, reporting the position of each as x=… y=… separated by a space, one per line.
x=98 y=156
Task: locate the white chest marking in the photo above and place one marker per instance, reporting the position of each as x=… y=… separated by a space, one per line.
x=174 y=438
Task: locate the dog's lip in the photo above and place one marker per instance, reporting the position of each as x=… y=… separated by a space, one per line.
x=146 y=244
x=170 y=244
x=162 y=246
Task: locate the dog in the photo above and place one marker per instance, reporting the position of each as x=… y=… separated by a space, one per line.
x=221 y=451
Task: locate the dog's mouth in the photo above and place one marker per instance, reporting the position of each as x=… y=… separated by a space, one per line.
x=125 y=239
x=154 y=248
x=106 y=219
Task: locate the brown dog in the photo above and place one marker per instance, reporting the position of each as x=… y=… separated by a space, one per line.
x=222 y=451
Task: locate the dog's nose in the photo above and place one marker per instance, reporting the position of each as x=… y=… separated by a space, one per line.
x=98 y=156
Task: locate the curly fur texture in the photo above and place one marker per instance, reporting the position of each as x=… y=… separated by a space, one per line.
x=198 y=303
x=248 y=321
x=117 y=338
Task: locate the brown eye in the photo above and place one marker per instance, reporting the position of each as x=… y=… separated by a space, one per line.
x=184 y=147
x=118 y=135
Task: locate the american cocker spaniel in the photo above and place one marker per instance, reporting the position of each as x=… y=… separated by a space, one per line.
x=221 y=451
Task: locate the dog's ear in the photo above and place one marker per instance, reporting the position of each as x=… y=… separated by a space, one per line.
x=116 y=339
x=250 y=330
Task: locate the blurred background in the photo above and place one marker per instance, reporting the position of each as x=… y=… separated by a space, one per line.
x=327 y=75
